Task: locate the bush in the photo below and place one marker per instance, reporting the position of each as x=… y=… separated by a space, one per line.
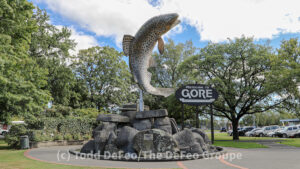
x=12 y=138
x=77 y=137
x=58 y=136
x=87 y=137
x=68 y=137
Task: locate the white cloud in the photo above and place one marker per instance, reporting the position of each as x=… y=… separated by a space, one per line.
x=215 y=20
x=82 y=40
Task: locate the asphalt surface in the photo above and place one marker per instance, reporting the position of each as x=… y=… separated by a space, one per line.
x=275 y=157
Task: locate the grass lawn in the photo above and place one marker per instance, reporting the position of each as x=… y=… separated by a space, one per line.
x=291 y=142
x=238 y=144
x=224 y=140
x=225 y=136
x=15 y=159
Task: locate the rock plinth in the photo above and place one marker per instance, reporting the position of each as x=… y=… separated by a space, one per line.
x=154 y=141
x=143 y=132
x=113 y=118
x=151 y=114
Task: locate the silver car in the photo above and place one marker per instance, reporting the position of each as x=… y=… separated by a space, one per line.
x=289 y=131
x=252 y=132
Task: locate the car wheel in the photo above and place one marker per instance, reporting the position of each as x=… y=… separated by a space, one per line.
x=297 y=136
x=261 y=135
x=284 y=136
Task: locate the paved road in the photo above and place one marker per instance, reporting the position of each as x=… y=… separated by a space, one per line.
x=276 y=157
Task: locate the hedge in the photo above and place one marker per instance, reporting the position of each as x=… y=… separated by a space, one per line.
x=51 y=129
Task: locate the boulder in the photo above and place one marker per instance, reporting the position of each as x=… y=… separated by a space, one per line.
x=154 y=141
x=187 y=142
x=163 y=124
x=174 y=126
x=113 y=118
x=143 y=124
x=89 y=147
x=124 y=138
x=151 y=114
x=111 y=146
x=203 y=134
x=200 y=140
x=100 y=138
x=130 y=114
x=107 y=126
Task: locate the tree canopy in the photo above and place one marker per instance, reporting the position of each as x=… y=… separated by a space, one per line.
x=246 y=75
x=22 y=80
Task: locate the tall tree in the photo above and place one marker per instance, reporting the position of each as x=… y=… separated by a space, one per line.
x=50 y=46
x=22 y=80
x=245 y=75
x=106 y=76
x=289 y=60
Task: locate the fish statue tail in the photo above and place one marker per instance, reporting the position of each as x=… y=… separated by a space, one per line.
x=164 y=91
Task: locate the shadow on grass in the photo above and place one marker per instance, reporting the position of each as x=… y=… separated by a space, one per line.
x=4 y=145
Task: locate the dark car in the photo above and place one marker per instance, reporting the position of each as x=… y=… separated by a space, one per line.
x=244 y=130
x=223 y=129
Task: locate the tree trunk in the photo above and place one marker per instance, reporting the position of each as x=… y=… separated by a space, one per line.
x=235 y=124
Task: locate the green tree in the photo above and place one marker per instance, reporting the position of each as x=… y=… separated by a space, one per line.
x=106 y=77
x=22 y=80
x=289 y=57
x=50 y=46
x=245 y=75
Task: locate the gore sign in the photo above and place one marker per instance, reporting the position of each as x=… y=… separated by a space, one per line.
x=196 y=94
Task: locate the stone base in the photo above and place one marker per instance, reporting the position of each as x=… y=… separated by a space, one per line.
x=146 y=134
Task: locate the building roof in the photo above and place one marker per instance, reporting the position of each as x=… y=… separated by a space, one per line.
x=290 y=120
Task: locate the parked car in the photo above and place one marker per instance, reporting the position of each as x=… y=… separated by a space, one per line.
x=289 y=131
x=252 y=132
x=3 y=131
x=274 y=132
x=244 y=130
x=223 y=129
x=229 y=132
x=297 y=133
x=265 y=130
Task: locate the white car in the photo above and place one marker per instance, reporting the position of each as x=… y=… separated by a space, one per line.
x=252 y=132
x=3 y=131
x=289 y=131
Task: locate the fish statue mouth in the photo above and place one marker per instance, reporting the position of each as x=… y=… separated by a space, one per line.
x=175 y=23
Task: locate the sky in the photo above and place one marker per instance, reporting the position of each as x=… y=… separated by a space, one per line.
x=104 y=22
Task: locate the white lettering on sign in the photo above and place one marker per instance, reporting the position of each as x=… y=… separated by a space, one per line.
x=197 y=93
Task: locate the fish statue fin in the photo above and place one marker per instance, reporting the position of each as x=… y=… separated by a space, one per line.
x=152 y=62
x=127 y=39
x=161 y=45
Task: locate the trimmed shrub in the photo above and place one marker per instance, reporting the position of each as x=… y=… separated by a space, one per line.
x=12 y=138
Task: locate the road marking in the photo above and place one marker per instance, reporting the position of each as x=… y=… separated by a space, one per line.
x=221 y=159
x=181 y=165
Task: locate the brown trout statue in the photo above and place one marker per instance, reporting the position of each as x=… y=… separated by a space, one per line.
x=139 y=49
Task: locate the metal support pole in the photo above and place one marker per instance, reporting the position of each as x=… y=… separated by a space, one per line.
x=141 y=102
x=182 y=117
x=212 y=124
x=197 y=116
